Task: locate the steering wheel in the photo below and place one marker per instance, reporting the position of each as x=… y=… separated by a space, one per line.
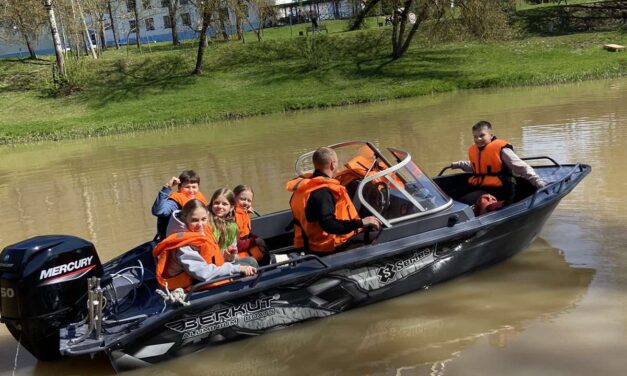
x=384 y=196
x=377 y=195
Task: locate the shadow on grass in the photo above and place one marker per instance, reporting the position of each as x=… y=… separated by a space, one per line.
x=22 y=74
x=148 y=48
x=134 y=79
x=418 y=65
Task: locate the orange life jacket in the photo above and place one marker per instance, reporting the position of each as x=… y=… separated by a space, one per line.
x=243 y=229
x=487 y=164
x=164 y=252
x=311 y=235
x=181 y=198
x=357 y=168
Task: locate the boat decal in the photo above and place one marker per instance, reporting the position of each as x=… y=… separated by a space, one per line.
x=64 y=268
x=284 y=316
x=376 y=276
x=66 y=272
x=223 y=317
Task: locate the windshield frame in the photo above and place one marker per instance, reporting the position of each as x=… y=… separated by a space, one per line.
x=400 y=164
x=409 y=197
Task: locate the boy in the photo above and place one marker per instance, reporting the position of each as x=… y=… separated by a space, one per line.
x=493 y=163
x=168 y=201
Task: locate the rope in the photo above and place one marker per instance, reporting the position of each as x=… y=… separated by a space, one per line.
x=17 y=353
x=174 y=296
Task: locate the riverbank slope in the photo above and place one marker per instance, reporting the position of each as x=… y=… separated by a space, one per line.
x=128 y=90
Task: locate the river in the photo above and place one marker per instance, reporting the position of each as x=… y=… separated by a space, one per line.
x=558 y=308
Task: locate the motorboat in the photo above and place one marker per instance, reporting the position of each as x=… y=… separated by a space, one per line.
x=59 y=300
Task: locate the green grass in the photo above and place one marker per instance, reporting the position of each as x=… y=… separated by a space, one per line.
x=128 y=90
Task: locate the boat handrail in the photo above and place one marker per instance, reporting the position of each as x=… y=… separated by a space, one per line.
x=541 y=157
x=260 y=272
x=551 y=187
x=524 y=159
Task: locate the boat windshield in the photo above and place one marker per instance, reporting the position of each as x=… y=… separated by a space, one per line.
x=391 y=187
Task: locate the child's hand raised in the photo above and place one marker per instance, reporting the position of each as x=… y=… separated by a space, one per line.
x=174 y=181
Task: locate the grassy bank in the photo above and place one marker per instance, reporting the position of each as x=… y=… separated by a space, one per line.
x=127 y=90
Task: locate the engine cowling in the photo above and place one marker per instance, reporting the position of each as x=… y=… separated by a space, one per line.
x=43 y=287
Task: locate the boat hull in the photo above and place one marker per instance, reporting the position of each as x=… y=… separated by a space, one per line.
x=414 y=267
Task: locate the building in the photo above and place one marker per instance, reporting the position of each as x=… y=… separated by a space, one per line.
x=155 y=24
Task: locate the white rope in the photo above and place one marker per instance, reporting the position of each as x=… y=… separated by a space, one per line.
x=17 y=353
x=174 y=296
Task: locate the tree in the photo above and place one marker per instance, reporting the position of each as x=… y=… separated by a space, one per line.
x=135 y=5
x=90 y=45
x=27 y=18
x=403 y=17
x=240 y=14
x=55 y=38
x=480 y=18
x=206 y=9
x=116 y=39
x=173 y=7
x=262 y=8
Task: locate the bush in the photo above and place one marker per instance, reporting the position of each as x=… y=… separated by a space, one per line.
x=77 y=73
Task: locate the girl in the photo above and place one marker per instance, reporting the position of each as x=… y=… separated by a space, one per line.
x=193 y=254
x=222 y=206
x=248 y=244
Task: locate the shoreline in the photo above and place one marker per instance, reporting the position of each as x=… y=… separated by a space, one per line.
x=119 y=97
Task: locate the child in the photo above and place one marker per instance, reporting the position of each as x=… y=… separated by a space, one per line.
x=194 y=255
x=248 y=244
x=222 y=206
x=167 y=201
x=493 y=165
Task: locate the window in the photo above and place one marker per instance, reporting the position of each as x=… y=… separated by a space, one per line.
x=131 y=25
x=166 y=22
x=150 y=24
x=165 y=3
x=130 y=5
x=187 y=20
x=147 y=4
x=183 y=2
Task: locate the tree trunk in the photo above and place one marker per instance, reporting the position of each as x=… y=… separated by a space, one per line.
x=29 y=45
x=22 y=30
x=202 y=41
x=240 y=29
x=172 y=10
x=225 y=35
x=55 y=38
x=239 y=24
x=77 y=33
x=103 y=38
x=113 y=29
x=361 y=15
x=137 y=32
x=92 y=50
x=400 y=41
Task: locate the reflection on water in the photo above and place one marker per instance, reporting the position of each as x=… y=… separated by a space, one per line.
x=103 y=189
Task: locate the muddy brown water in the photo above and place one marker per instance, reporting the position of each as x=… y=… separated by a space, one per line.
x=559 y=308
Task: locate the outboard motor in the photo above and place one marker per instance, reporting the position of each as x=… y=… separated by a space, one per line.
x=43 y=282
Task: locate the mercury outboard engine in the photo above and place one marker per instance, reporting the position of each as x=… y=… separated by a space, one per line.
x=43 y=287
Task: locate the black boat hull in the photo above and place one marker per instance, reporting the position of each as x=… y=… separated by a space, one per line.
x=413 y=267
